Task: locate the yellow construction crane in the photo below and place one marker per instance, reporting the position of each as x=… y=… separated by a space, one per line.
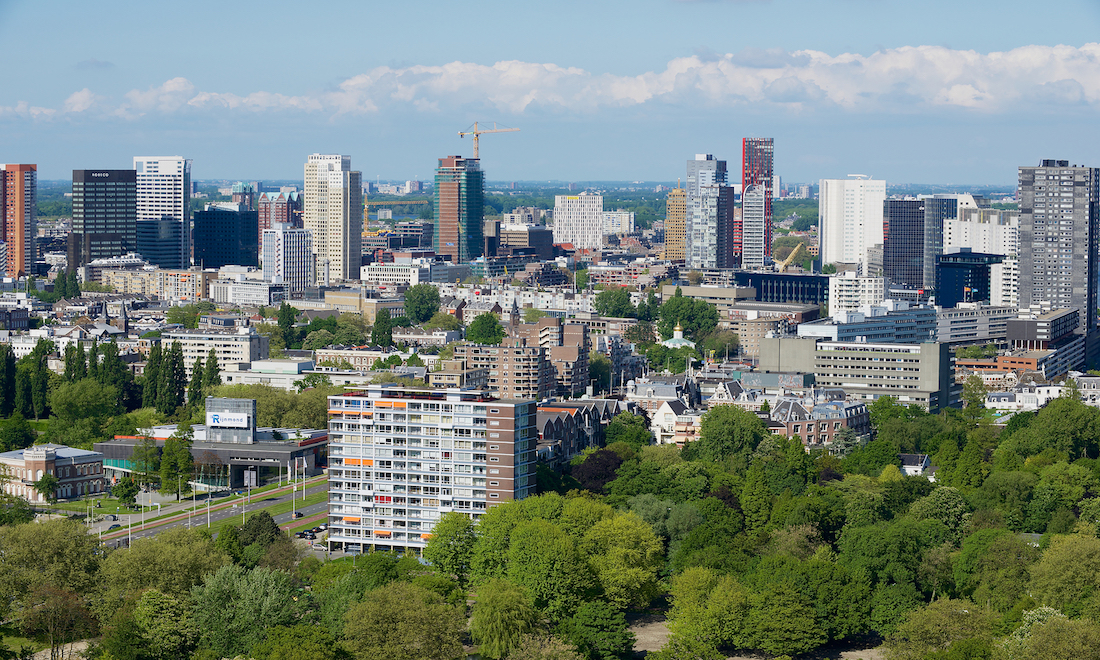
x=782 y=267
x=478 y=131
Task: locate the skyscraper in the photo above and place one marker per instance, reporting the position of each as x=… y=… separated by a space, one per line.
x=279 y=208
x=757 y=169
x=903 y=251
x=18 y=203
x=226 y=234
x=578 y=219
x=288 y=257
x=755 y=227
x=459 y=208
x=1058 y=237
x=713 y=238
x=850 y=219
x=938 y=209
x=333 y=211
x=676 y=224
x=164 y=192
x=104 y=215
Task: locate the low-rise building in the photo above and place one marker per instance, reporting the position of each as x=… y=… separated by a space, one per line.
x=79 y=471
x=247 y=293
x=231 y=346
x=973 y=323
x=918 y=374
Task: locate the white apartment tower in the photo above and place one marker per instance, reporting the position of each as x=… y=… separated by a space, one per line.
x=400 y=458
x=333 y=210
x=850 y=218
x=288 y=257
x=754 y=227
x=578 y=219
x=164 y=192
x=848 y=292
x=990 y=231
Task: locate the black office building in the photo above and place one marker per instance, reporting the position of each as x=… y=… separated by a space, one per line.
x=903 y=249
x=104 y=215
x=963 y=276
x=801 y=288
x=225 y=235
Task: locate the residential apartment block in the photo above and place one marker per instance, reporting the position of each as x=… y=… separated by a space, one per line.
x=517 y=368
x=578 y=219
x=400 y=458
x=18 y=217
x=231 y=346
x=568 y=345
x=333 y=210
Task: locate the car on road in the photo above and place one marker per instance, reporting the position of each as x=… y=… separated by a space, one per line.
x=298 y=514
x=113 y=527
x=323 y=527
x=319 y=546
x=316 y=530
x=310 y=536
x=299 y=535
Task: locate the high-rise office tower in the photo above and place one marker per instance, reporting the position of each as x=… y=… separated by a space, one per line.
x=288 y=257
x=18 y=204
x=578 y=219
x=276 y=208
x=713 y=238
x=757 y=169
x=1058 y=237
x=990 y=231
x=459 y=208
x=850 y=219
x=159 y=241
x=163 y=193
x=333 y=211
x=245 y=193
x=226 y=234
x=104 y=215
x=713 y=228
x=676 y=225
x=938 y=209
x=903 y=251
x=755 y=227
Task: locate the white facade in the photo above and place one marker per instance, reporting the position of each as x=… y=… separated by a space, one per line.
x=990 y=231
x=401 y=458
x=164 y=191
x=395 y=274
x=247 y=293
x=850 y=219
x=848 y=292
x=288 y=257
x=618 y=222
x=754 y=227
x=333 y=210
x=230 y=346
x=578 y=219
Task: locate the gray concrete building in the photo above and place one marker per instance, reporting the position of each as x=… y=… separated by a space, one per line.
x=918 y=374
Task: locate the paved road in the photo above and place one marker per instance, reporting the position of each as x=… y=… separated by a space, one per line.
x=220 y=512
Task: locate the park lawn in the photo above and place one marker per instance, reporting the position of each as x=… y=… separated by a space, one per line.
x=11 y=638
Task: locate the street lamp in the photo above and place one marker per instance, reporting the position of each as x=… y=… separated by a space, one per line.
x=207 y=511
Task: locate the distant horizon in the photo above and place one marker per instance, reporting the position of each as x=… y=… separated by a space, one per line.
x=565 y=182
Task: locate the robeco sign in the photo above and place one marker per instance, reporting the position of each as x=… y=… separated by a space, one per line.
x=101 y=174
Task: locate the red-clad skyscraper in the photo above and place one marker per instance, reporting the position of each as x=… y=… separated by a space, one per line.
x=756 y=171
x=18 y=203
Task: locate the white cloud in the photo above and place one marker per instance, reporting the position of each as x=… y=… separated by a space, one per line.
x=908 y=79
x=80 y=101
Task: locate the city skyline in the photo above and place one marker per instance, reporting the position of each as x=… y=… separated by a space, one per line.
x=838 y=84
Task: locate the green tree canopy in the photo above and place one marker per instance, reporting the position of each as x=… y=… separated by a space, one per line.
x=421 y=302
x=402 y=621
x=485 y=329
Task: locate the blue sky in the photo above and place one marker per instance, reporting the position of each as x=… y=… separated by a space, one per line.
x=930 y=91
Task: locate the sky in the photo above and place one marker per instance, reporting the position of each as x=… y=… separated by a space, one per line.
x=935 y=91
